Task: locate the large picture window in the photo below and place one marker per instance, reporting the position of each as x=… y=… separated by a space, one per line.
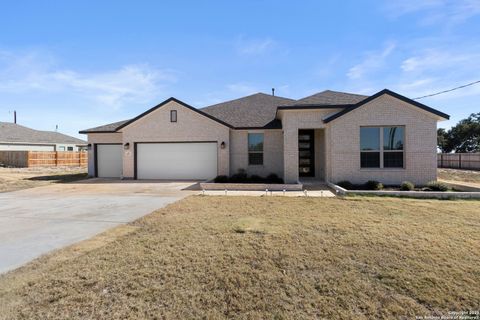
x=255 y=149
x=382 y=147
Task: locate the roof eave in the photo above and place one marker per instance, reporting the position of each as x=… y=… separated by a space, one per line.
x=95 y=131
x=311 y=107
x=153 y=109
x=395 y=95
x=164 y=103
x=314 y=106
x=256 y=128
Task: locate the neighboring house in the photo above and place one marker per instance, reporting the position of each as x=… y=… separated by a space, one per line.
x=14 y=137
x=329 y=136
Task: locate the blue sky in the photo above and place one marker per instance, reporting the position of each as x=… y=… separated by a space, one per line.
x=86 y=63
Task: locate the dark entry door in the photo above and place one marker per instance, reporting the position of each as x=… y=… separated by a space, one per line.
x=306 y=153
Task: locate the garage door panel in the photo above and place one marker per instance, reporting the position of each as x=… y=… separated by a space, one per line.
x=109 y=160
x=184 y=161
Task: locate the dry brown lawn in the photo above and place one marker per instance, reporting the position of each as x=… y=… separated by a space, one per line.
x=12 y=179
x=459 y=175
x=263 y=258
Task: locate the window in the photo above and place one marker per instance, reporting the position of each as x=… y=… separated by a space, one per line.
x=255 y=149
x=69 y=148
x=370 y=147
x=61 y=148
x=382 y=147
x=173 y=115
x=393 y=147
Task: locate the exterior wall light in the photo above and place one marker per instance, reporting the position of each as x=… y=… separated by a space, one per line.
x=126 y=146
x=222 y=145
x=89 y=146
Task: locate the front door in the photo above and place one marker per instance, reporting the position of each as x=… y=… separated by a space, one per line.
x=306 y=153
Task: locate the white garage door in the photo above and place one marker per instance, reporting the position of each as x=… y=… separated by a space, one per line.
x=109 y=160
x=183 y=161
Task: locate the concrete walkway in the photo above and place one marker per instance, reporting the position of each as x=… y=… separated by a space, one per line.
x=36 y=221
x=306 y=193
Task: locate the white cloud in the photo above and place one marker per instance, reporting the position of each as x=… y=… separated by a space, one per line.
x=242 y=88
x=398 y=8
x=436 y=69
x=33 y=71
x=422 y=72
x=372 y=61
x=446 y=12
x=435 y=59
x=416 y=84
x=252 y=47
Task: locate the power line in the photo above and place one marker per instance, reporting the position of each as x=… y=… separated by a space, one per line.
x=445 y=91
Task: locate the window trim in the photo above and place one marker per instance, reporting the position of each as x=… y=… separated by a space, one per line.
x=172 y=113
x=254 y=151
x=382 y=150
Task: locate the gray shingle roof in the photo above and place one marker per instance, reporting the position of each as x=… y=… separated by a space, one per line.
x=258 y=110
x=329 y=97
x=111 y=127
x=15 y=133
x=254 y=111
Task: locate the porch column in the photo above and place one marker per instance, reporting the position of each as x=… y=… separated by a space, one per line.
x=290 y=155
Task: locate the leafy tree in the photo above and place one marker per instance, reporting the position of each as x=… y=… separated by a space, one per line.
x=443 y=140
x=463 y=137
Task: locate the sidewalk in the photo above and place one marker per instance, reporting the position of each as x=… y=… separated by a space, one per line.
x=305 y=193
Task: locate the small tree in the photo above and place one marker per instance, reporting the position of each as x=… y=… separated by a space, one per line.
x=463 y=137
x=443 y=140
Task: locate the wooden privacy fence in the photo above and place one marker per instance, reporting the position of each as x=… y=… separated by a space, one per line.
x=44 y=158
x=459 y=160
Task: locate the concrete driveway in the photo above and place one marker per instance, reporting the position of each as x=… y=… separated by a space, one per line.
x=36 y=221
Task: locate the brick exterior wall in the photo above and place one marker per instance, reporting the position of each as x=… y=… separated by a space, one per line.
x=100 y=138
x=420 y=143
x=190 y=127
x=320 y=154
x=292 y=120
x=272 y=152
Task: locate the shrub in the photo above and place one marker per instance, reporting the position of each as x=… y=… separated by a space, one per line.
x=221 y=179
x=239 y=177
x=345 y=184
x=273 y=178
x=407 y=186
x=437 y=186
x=256 y=179
x=373 y=185
x=242 y=177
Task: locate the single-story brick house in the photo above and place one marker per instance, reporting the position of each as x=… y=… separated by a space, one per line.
x=329 y=136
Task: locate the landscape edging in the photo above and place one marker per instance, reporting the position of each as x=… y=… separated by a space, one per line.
x=409 y=194
x=251 y=186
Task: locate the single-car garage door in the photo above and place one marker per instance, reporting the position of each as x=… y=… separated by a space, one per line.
x=183 y=161
x=109 y=160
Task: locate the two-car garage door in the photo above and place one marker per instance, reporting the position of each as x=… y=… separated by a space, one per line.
x=189 y=160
